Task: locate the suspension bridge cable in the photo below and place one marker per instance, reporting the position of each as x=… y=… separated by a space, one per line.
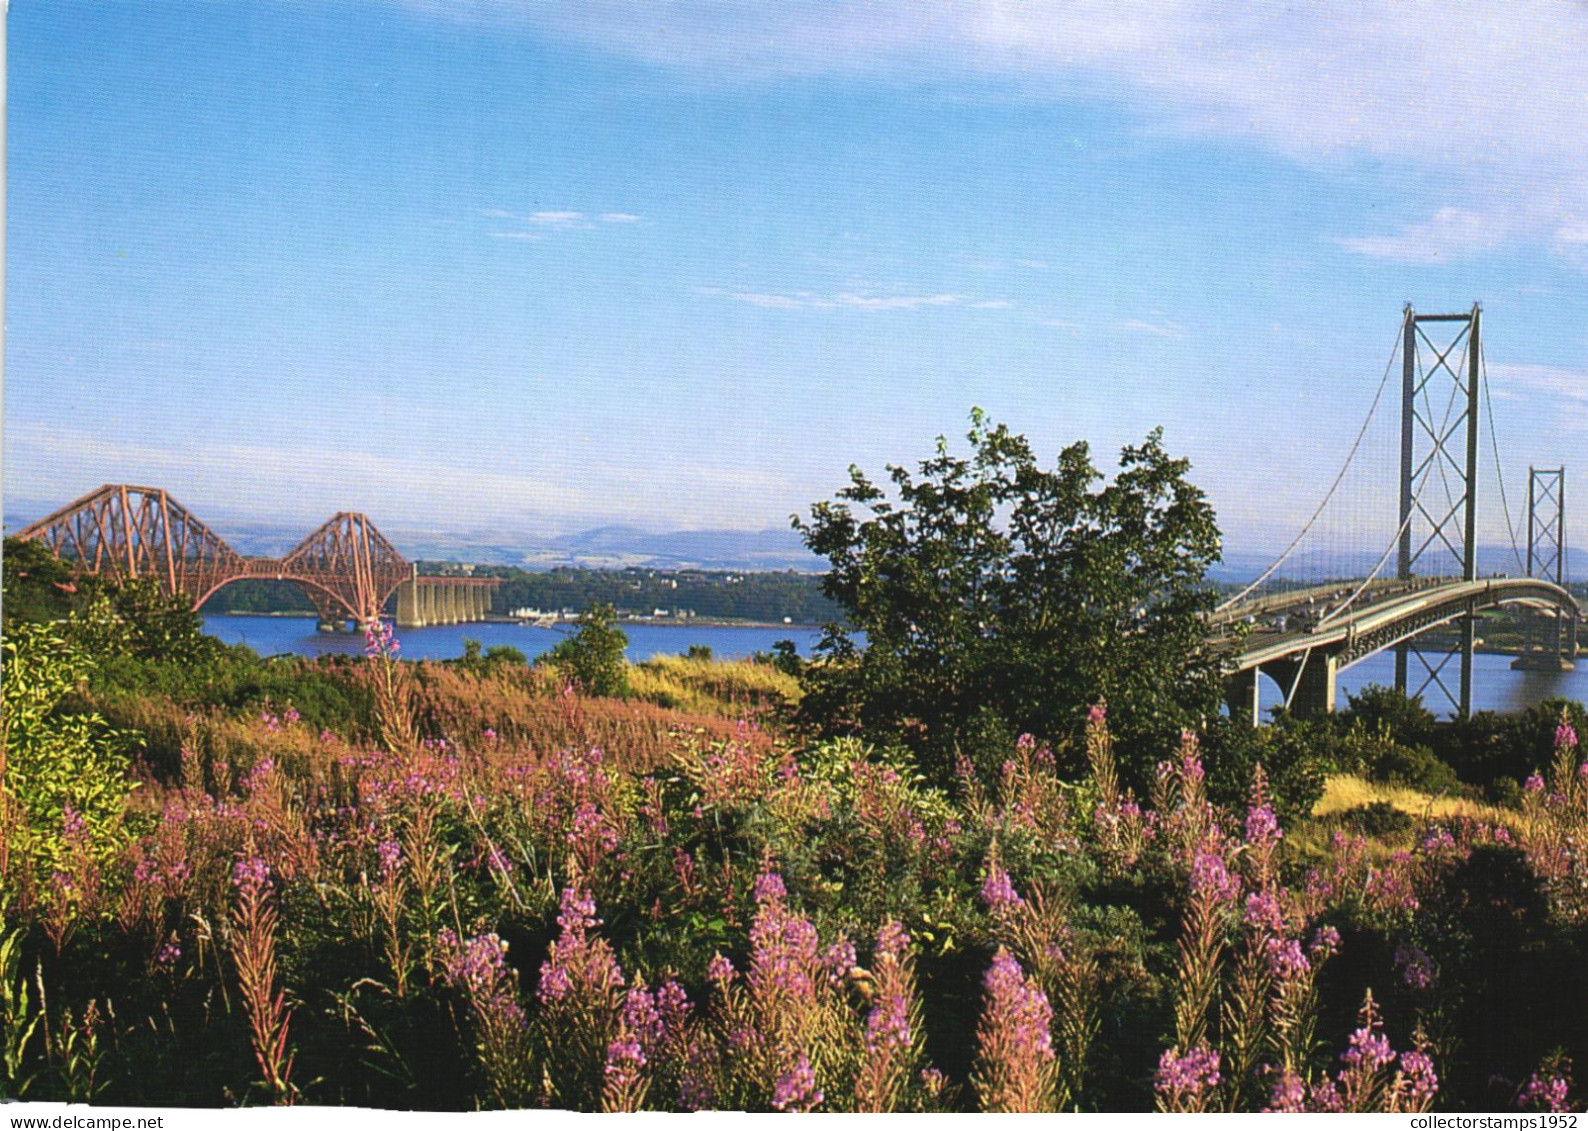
x=1279 y=561
x=1499 y=472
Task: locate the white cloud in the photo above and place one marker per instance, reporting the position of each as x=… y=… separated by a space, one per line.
x=1155 y=329
x=1567 y=389
x=556 y=219
x=808 y=300
x=1452 y=233
x=992 y=304
x=517 y=235
x=620 y=218
x=1490 y=96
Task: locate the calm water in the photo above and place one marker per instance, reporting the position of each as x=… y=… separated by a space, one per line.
x=1495 y=687
x=273 y=635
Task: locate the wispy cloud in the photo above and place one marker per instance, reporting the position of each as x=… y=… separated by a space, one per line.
x=54 y=464
x=992 y=304
x=1451 y=234
x=557 y=219
x=1567 y=388
x=1497 y=110
x=1171 y=330
x=554 y=219
x=810 y=300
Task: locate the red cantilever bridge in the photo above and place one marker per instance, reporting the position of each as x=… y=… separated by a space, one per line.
x=347 y=567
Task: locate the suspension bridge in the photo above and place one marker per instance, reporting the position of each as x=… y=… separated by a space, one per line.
x=346 y=567
x=1419 y=591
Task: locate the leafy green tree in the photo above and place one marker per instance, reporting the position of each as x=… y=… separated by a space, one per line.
x=137 y=619
x=593 y=656
x=998 y=597
x=38 y=586
x=1403 y=717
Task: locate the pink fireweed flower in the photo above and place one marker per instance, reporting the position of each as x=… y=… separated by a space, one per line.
x=488 y=734
x=1097 y=714
x=1015 y=1045
x=1368 y=1049
x=170 y=952
x=838 y=959
x=73 y=823
x=1265 y=911
x=1262 y=827
x=1534 y=783
x=1211 y=879
x=1286 y=962
x=1565 y=736
x=720 y=970
x=796 y=1089
x=390 y=855
x=1183 y=1080
x=1417 y=969
x=1325 y=944
x=251 y=874
x=1289 y=1094
x=290 y=716
x=1420 y=1080
x=379 y=640
x=1545 y=1093
x=768 y=887
x=998 y=891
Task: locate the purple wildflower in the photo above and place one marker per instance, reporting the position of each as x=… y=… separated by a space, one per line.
x=998 y=891
x=1417 y=969
x=796 y=1089
x=1185 y=1078
x=1286 y=962
x=1262 y=827
x=720 y=970
x=769 y=886
x=1534 y=783
x=1289 y=1094
x=1421 y=1081
x=1264 y=911
x=1565 y=736
x=1211 y=879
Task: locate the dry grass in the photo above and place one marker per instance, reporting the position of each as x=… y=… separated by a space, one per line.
x=1343 y=792
x=731 y=689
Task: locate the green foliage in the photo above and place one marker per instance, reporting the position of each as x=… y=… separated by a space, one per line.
x=37 y=585
x=19 y=1019
x=1403 y=717
x=998 y=597
x=718 y=594
x=137 y=619
x=56 y=758
x=1297 y=755
x=1378 y=820
x=491 y=659
x=593 y=656
x=1488 y=747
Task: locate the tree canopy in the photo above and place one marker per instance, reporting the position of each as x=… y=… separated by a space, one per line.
x=997 y=597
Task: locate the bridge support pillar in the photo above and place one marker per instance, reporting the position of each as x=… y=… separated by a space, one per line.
x=408 y=615
x=1241 y=696
x=1309 y=683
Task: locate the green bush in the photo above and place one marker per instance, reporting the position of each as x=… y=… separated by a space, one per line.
x=593 y=656
x=64 y=771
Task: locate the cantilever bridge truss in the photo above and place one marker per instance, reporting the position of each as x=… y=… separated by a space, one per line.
x=347 y=567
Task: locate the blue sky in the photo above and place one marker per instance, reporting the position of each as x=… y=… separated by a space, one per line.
x=538 y=267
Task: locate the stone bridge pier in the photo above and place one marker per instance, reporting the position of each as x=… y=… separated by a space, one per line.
x=423 y=601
